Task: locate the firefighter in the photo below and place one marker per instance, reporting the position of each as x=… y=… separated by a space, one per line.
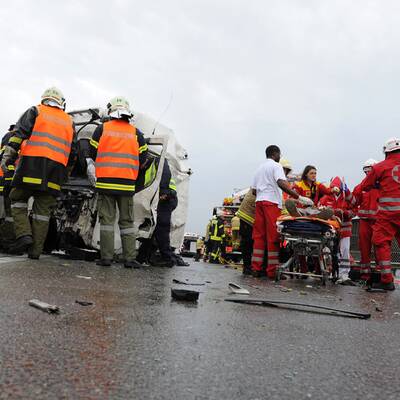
x=199 y=248
x=269 y=181
x=217 y=236
x=49 y=149
x=246 y=213
x=168 y=201
x=117 y=151
x=235 y=225
x=366 y=204
x=387 y=225
x=338 y=201
x=7 y=231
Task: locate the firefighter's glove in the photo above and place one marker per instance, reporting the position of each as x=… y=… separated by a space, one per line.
x=91 y=171
x=305 y=201
x=9 y=157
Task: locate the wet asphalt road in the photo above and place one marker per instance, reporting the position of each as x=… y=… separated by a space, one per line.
x=137 y=343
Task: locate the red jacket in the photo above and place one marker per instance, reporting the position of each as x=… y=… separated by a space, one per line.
x=366 y=203
x=341 y=206
x=387 y=175
x=313 y=192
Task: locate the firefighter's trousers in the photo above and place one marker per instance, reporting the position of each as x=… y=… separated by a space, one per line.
x=163 y=227
x=43 y=204
x=107 y=206
x=7 y=230
x=246 y=243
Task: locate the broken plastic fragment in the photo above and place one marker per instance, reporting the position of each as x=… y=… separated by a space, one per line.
x=41 y=305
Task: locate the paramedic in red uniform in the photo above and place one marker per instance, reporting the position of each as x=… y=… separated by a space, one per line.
x=269 y=181
x=339 y=202
x=366 y=204
x=387 y=225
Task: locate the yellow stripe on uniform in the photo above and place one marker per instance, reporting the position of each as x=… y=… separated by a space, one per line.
x=114 y=186
x=94 y=143
x=36 y=181
x=52 y=185
x=143 y=148
x=15 y=139
x=172 y=184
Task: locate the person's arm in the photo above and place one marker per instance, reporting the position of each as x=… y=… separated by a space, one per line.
x=94 y=142
x=285 y=186
x=23 y=128
x=143 y=148
x=368 y=183
x=74 y=149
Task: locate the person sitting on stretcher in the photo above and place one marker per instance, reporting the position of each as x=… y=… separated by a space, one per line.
x=314 y=190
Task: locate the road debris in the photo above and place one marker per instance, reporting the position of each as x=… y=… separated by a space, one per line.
x=377 y=305
x=345 y=282
x=185 y=295
x=303 y=293
x=83 y=277
x=41 y=305
x=276 y=303
x=178 y=282
x=234 y=288
x=84 y=302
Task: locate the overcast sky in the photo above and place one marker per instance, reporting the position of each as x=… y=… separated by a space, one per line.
x=318 y=78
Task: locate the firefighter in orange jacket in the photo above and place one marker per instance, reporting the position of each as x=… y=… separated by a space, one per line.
x=367 y=207
x=119 y=150
x=387 y=225
x=49 y=136
x=339 y=202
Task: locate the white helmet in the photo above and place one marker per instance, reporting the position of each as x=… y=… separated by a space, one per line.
x=53 y=97
x=391 y=144
x=118 y=107
x=369 y=163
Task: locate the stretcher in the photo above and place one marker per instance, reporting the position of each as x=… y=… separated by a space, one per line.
x=312 y=241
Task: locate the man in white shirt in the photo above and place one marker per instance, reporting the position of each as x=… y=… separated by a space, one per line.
x=269 y=181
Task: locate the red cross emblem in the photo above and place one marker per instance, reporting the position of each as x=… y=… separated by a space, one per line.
x=396 y=173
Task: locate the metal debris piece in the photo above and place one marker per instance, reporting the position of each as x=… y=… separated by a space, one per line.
x=309 y=286
x=184 y=294
x=41 y=305
x=177 y=281
x=375 y=290
x=234 y=288
x=83 y=277
x=396 y=313
x=84 y=302
x=285 y=289
x=303 y=293
x=276 y=303
x=378 y=309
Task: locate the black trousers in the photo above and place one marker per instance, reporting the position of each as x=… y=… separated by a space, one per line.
x=246 y=242
x=163 y=227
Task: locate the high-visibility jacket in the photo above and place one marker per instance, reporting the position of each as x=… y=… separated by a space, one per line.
x=235 y=223
x=117 y=157
x=49 y=135
x=314 y=192
x=387 y=175
x=217 y=231
x=116 y=148
x=366 y=203
x=247 y=209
